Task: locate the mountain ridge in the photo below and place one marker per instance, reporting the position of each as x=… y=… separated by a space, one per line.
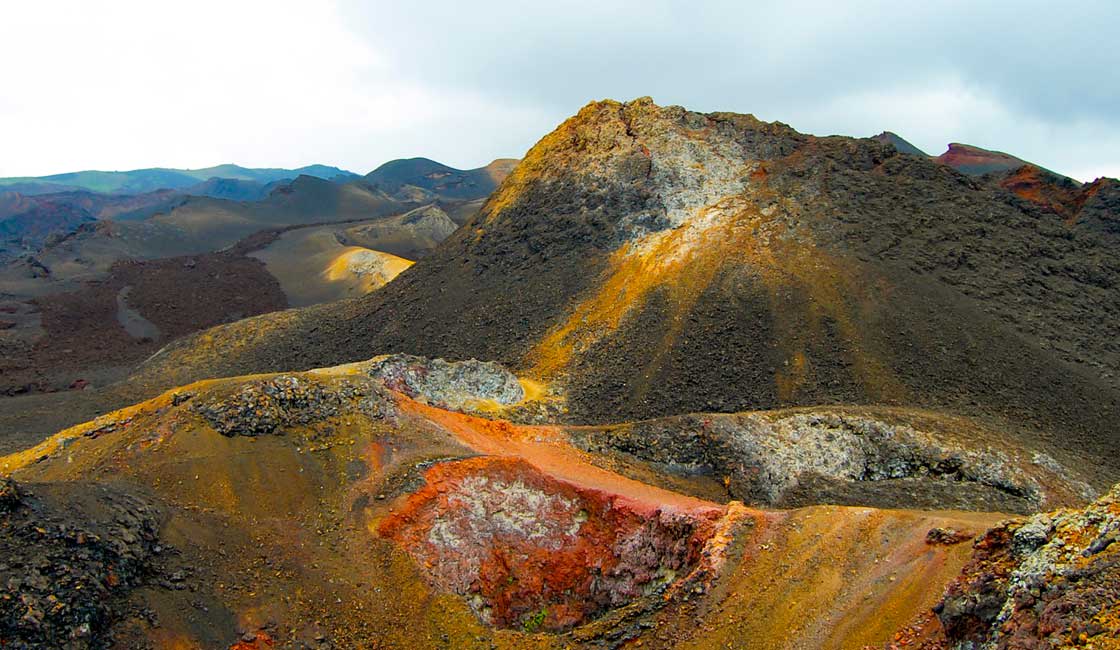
x=410 y=175
x=156 y=178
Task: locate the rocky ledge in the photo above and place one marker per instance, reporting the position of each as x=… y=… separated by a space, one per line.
x=448 y=384
x=803 y=457
x=1049 y=581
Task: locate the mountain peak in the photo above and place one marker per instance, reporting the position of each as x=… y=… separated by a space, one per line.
x=662 y=163
x=899 y=143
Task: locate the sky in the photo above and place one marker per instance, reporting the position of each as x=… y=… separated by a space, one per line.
x=124 y=84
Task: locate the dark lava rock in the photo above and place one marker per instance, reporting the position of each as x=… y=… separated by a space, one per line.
x=69 y=553
x=266 y=406
x=803 y=458
x=1045 y=582
x=9 y=495
x=945 y=536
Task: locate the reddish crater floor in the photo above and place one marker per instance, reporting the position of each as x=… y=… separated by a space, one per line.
x=533 y=552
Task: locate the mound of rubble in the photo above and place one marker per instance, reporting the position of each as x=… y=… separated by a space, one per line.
x=1050 y=581
x=69 y=553
x=266 y=406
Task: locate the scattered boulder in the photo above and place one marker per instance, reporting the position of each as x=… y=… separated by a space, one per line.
x=9 y=495
x=267 y=406
x=448 y=384
x=946 y=536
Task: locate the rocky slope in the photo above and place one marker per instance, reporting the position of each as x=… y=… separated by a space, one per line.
x=1048 y=581
x=350 y=507
x=896 y=141
x=649 y=261
x=70 y=552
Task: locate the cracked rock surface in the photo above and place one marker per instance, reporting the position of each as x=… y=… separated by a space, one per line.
x=450 y=384
x=68 y=556
x=799 y=458
x=1048 y=581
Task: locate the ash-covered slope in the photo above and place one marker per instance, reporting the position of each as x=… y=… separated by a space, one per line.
x=651 y=261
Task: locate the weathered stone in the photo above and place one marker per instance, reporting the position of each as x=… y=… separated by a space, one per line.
x=450 y=384
x=814 y=457
x=946 y=536
x=1043 y=582
x=268 y=406
x=532 y=552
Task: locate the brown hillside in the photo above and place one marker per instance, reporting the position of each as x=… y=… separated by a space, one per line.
x=649 y=261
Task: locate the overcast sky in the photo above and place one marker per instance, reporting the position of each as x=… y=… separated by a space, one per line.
x=121 y=84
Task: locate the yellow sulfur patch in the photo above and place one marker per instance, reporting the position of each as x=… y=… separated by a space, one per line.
x=683 y=262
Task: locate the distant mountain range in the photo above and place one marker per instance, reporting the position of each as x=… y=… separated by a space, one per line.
x=241 y=245
x=139 y=181
x=34 y=208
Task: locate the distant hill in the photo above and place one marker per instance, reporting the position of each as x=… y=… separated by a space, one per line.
x=423 y=179
x=147 y=180
x=32 y=227
x=191 y=258
x=234 y=189
x=965 y=158
x=27 y=222
x=975 y=161
x=898 y=143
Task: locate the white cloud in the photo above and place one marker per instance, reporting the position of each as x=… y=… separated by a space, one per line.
x=126 y=84
x=116 y=84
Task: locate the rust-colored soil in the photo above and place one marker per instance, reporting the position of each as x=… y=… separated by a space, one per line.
x=348 y=530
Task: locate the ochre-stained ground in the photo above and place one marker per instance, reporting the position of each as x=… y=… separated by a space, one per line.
x=293 y=537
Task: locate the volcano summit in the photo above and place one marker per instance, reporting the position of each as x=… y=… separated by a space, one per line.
x=683 y=380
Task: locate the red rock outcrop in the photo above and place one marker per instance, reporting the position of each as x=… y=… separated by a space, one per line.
x=968 y=159
x=533 y=552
